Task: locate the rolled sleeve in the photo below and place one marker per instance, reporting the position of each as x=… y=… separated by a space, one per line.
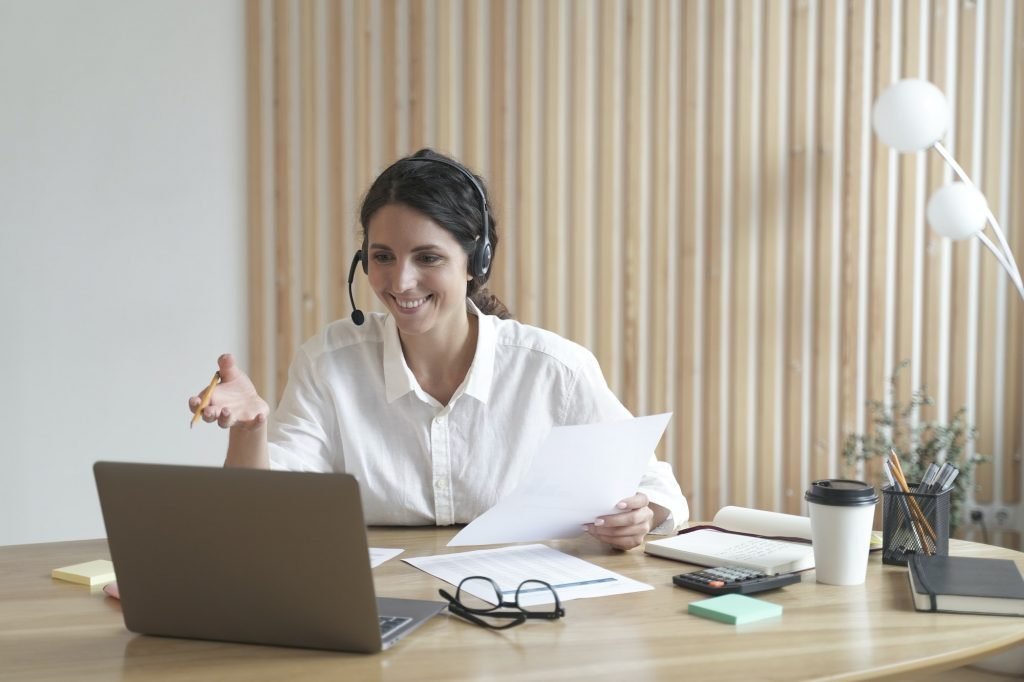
x=661 y=488
x=297 y=432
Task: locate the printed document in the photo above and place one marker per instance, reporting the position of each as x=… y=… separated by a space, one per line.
x=579 y=473
x=379 y=555
x=572 y=578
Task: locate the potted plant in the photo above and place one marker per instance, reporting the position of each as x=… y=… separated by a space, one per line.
x=918 y=442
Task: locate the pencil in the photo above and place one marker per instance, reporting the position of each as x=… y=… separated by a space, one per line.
x=918 y=515
x=205 y=399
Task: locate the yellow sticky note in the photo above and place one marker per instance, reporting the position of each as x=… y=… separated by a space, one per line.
x=99 y=572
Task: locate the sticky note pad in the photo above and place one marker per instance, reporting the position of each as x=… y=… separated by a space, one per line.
x=90 y=573
x=735 y=609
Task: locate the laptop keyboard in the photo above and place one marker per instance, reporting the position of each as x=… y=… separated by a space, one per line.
x=389 y=624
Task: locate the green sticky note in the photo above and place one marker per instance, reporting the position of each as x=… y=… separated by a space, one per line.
x=735 y=609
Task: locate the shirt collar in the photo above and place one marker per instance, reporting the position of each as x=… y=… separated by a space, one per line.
x=481 y=372
x=399 y=379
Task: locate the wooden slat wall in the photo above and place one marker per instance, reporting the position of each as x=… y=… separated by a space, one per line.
x=691 y=189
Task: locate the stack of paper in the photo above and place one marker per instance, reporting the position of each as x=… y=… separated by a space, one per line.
x=99 y=572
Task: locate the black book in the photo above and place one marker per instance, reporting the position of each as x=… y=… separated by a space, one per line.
x=966 y=585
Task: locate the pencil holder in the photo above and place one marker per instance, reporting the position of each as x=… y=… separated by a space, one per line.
x=913 y=523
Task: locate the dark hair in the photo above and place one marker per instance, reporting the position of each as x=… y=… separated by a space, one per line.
x=444 y=195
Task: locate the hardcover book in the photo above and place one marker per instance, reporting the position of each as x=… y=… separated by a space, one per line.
x=966 y=585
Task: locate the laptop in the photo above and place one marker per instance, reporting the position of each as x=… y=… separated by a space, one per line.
x=245 y=555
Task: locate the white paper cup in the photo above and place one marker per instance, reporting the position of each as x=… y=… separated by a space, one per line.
x=842 y=513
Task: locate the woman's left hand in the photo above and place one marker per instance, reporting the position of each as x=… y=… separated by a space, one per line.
x=626 y=528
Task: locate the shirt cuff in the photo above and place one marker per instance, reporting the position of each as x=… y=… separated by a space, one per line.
x=678 y=512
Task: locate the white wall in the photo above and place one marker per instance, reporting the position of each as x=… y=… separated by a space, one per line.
x=122 y=252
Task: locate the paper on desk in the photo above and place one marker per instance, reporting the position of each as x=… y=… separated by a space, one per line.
x=579 y=473
x=379 y=555
x=572 y=578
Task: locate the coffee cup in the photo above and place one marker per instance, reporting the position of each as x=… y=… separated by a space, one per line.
x=842 y=512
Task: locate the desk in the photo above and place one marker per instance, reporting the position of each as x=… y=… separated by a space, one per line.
x=55 y=630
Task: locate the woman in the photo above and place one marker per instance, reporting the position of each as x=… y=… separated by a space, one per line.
x=438 y=405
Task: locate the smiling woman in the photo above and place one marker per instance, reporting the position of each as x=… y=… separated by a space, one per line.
x=438 y=404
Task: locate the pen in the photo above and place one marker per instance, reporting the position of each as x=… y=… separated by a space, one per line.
x=205 y=399
x=925 y=486
x=950 y=477
x=933 y=475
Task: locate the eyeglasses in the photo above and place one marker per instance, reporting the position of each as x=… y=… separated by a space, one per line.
x=479 y=597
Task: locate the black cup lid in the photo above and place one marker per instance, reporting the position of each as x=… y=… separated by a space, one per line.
x=841 y=492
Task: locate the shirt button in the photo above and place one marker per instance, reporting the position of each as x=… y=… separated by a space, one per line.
x=441 y=484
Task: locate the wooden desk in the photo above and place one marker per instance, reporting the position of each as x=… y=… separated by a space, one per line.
x=55 y=630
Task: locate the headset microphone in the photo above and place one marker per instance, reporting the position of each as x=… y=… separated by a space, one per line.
x=357 y=314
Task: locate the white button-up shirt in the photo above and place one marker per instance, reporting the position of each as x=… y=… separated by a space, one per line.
x=353 y=405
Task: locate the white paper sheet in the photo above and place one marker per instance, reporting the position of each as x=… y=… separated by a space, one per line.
x=572 y=578
x=579 y=473
x=379 y=555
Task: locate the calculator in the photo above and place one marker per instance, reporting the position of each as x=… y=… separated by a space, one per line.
x=733 y=580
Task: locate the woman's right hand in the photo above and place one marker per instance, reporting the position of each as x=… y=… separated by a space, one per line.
x=235 y=402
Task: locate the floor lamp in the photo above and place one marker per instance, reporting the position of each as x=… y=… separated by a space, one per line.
x=912 y=115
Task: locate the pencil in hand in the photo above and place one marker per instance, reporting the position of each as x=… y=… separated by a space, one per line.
x=204 y=399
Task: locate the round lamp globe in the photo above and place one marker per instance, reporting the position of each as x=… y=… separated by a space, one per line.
x=957 y=211
x=910 y=115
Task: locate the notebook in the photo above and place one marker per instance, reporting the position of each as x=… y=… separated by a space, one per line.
x=244 y=555
x=766 y=541
x=966 y=585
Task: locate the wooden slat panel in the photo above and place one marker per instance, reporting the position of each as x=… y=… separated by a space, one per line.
x=310 y=301
x=856 y=90
x=743 y=379
x=364 y=125
x=990 y=273
x=527 y=265
x=257 y=284
x=339 y=246
x=1014 y=225
x=389 y=96
x=799 y=244
x=828 y=305
x=501 y=180
x=716 y=352
x=608 y=162
x=692 y=190
x=933 y=360
x=773 y=250
x=418 y=133
x=906 y=255
x=283 y=286
x=473 y=103
x=582 y=149
x=962 y=362
x=659 y=276
x=444 y=87
x=552 y=170
x=880 y=168
x=633 y=256
x=690 y=447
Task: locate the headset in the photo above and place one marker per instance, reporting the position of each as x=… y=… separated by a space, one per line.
x=479 y=260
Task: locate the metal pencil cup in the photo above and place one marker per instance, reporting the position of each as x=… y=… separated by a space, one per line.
x=913 y=523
